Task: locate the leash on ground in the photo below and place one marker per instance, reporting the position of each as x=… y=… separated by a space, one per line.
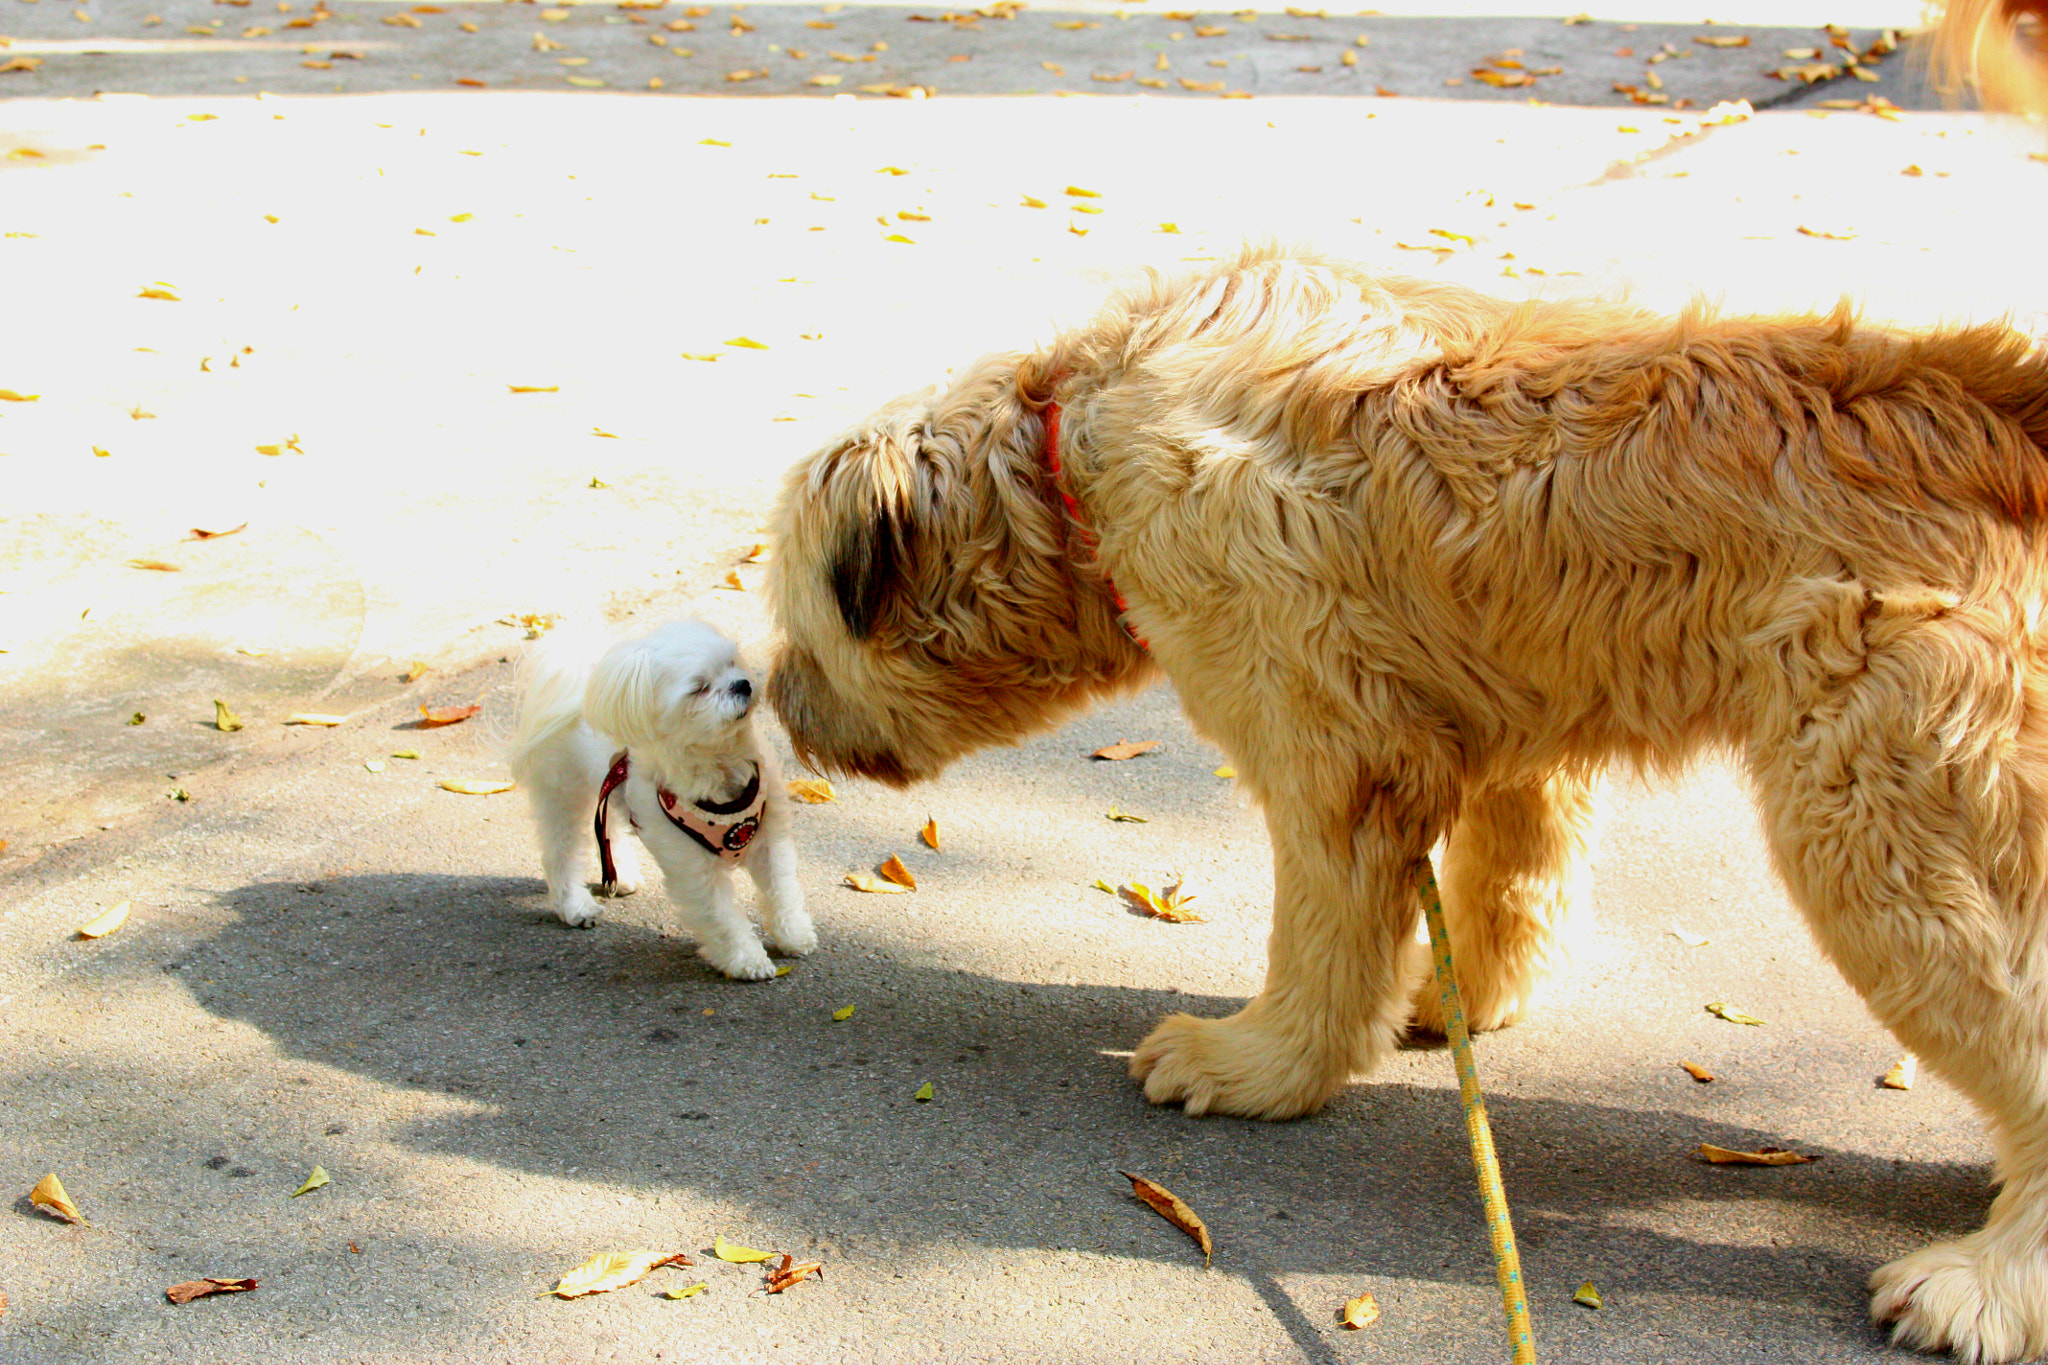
x=1507 y=1264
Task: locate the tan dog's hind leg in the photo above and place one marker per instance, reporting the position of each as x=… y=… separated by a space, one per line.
x=1341 y=962
x=1904 y=809
x=1517 y=875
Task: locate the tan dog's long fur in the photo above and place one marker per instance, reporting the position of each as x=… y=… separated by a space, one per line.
x=1422 y=563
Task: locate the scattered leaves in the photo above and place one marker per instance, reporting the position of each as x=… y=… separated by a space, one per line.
x=924 y=1093
x=609 y=1270
x=476 y=786
x=738 y=1255
x=815 y=790
x=1697 y=1072
x=199 y=1289
x=842 y=1014
x=1362 y=1311
x=862 y=881
x=1733 y=1016
x=223 y=718
x=896 y=872
x=1762 y=1156
x=1124 y=749
x=1586 y=1295
x=49 y=1195
x=1901 y=1076
x=1169 y=1207
x=313 y=1182
x=104 y=923
x=433 y=716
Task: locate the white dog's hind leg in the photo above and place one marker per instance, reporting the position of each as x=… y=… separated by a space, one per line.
x=1906 y=838
x=560 y=776
x=1517 y=875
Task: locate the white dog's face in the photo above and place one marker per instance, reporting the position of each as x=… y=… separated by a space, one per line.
x=682 y=685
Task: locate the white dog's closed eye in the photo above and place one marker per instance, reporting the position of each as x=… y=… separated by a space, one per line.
x=650 y=740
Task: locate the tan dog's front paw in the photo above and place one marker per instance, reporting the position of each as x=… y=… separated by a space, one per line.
x=1426 y=1016
x=1966 y=1297
x=1230 y=1066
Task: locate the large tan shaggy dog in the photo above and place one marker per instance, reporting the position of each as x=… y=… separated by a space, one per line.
x=1422 y=562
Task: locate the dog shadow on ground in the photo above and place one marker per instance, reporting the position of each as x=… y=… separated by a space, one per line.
x=618 y=1057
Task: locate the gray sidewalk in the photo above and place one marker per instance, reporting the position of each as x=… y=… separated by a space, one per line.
x=328 y=964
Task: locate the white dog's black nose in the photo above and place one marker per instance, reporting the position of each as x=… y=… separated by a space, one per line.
x=743 y=689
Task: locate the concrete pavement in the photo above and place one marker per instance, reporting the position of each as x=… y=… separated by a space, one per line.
x=332 y=965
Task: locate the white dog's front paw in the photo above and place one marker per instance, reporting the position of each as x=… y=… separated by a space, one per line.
x=576 y=907
x=743 y=961
x=1973 y=1297
x=794 y=933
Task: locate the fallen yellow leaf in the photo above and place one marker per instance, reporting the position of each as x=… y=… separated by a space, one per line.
x=930 y=834
x=1362 y=1311
x=687 y=1291
x=1032 y=202
x=104 y=923
x=534 y=388
x=746 y=343
x=49 y=1195
x=1077 y=192
x=815 y=790
x=1901 y=1076
x=609 y=1270
x=158 y=292
x=1733 y=1016
x=313 y=1182
x=1170 y=1207
x=895 y=871
x=223 y=718
x=925 y=1093
x=1697 y=1072
x=475 y=786
x=10 y=396
x=1586 y=1295
x=319 y=718
x=738 y=1255
x=1124 y=749
x=433 y=717
x=862 y=881
x=842 y=1014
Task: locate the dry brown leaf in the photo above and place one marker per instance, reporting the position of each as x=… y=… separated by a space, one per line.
x=159 y=565
x=49 y=1195
x=433 y=716
x=609 y=1270
x=1762 y=1156
x=815 y=790
x=1123 y=749
x=862 y=881
x=1172 y=1210
x=896 y=872
x=1362 y=1311
x=201 y=533
x=930 y=834
x=791 y=1273
x=102 y=924
x=199 y=1289
x=1697 y=1072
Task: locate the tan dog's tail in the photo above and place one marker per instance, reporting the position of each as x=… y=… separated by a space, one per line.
x=1998 y=46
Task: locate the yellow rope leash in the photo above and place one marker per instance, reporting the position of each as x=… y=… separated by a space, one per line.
x=1507 y=1263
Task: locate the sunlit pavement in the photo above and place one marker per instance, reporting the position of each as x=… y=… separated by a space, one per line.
x=455 y=353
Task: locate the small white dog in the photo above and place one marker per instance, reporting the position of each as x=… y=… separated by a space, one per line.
x=652 y=737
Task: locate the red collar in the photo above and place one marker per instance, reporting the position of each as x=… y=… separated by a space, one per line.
x=1082 y=530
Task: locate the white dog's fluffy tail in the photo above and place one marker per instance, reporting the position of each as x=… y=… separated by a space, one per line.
x=553 y=673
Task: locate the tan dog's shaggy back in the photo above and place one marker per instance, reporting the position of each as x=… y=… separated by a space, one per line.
x=1422 y=562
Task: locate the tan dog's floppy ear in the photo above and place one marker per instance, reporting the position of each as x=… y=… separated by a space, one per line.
x=872 y=564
